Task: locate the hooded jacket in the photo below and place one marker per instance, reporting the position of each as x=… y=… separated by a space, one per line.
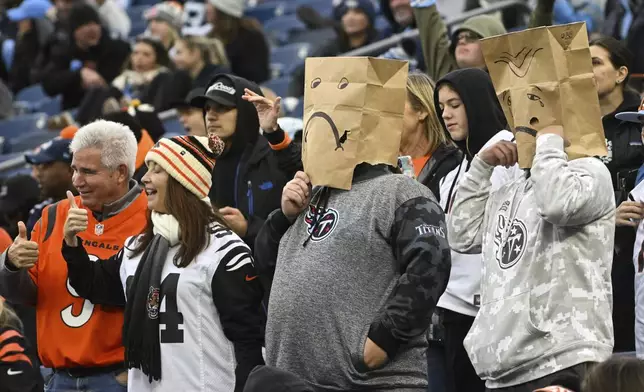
x=547 y=251
x=251 y=173
x=486 y=123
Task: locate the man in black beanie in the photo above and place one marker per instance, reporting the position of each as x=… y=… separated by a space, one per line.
x=87 y=58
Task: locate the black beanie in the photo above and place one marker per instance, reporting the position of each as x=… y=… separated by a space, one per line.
x=81 y=15
x=126 y=119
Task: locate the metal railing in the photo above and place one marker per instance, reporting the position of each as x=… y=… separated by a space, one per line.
x=381 y=46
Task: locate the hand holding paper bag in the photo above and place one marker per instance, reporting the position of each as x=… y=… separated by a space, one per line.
x=544 y=77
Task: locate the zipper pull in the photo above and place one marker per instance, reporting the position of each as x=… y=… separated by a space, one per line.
x=250 y=185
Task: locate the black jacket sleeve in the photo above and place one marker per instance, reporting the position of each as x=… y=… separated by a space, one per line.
x=17 y=371
x=289 y=158
x=99 y=281
x=268 y=240
x=237 y=294
x=419 y=243
x=56 y=76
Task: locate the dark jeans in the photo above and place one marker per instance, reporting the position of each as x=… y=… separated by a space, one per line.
x=570 y=378
x=461 y=376
x=436 y=376
x=106 y=382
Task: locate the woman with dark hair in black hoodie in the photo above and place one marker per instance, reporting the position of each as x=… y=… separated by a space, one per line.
x=470 y=113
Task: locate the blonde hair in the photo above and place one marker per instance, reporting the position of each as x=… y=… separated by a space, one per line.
x=420 y=92
x=212 y=49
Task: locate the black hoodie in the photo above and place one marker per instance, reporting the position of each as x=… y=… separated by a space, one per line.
x=251 y=173
x=485 y=116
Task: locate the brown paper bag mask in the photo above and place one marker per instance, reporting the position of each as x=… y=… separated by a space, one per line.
x=353 y=108
x=543 y=77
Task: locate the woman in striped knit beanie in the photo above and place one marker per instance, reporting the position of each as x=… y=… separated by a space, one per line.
x=188 y=272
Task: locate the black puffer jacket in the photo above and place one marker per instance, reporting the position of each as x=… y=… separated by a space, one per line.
x=250 y=175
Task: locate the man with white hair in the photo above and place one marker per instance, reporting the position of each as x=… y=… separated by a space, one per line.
x=80 y=341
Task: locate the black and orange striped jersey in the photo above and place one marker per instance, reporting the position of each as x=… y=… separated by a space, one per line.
x=17 y=371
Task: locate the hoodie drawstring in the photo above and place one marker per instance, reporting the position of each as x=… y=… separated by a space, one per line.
x=320 y=206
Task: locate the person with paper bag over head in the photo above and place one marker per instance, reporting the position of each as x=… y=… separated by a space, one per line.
x=546 y=239
x=363 y=254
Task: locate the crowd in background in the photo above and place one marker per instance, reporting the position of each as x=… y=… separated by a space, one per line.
x=240 y=150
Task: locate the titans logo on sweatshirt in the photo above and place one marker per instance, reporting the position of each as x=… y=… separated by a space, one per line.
x=509 y=242
x=320 y=222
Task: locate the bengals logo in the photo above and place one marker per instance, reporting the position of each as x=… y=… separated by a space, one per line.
x=154 y=301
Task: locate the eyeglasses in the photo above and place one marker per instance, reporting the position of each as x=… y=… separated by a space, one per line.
x=467 y=37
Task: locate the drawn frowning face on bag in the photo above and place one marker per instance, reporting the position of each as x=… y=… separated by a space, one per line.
x=353 y=112
x=544 y=77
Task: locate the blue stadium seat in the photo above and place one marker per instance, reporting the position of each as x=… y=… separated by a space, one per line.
x=279 y=86
x=298 y=111
x=266 y=11
x=24 y=143
x=285 y=59
x=138 y=27
x=316 y=38
x=22 y=125
x=281 y=28
x=33 y=93
x=135 y=12
x=383 y=26
x=323 y=7
x=50 y=106
x=173 y=127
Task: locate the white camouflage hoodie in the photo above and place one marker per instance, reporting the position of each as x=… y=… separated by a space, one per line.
x=547 y=245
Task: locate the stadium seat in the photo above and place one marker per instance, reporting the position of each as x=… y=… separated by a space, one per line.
x=316 y=38
x=383 y=26
x=22 y=125
x=323 y=7
x=266 y=11
x=279 y=86
x=33 y=93
x=173 y=127
x=135 y=12
x=27 y=142
x=285 y=59
x=280 y=28
x=50 y=106
x=138 y=27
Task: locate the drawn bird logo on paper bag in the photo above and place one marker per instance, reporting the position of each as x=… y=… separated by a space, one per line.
x=520 y=63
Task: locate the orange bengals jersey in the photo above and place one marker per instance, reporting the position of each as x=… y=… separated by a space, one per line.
x=73 y=332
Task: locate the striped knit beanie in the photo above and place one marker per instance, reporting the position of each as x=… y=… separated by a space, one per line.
x=187 y=159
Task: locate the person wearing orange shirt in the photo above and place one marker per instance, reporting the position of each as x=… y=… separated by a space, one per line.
x=80 y=341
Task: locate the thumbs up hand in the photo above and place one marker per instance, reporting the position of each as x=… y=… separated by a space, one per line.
x=22 y=253
x=75 y=223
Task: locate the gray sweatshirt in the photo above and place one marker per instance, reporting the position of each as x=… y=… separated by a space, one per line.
x=547 y=245
x=374 y=266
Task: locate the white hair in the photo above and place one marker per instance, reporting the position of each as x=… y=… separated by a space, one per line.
x=115 y=141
